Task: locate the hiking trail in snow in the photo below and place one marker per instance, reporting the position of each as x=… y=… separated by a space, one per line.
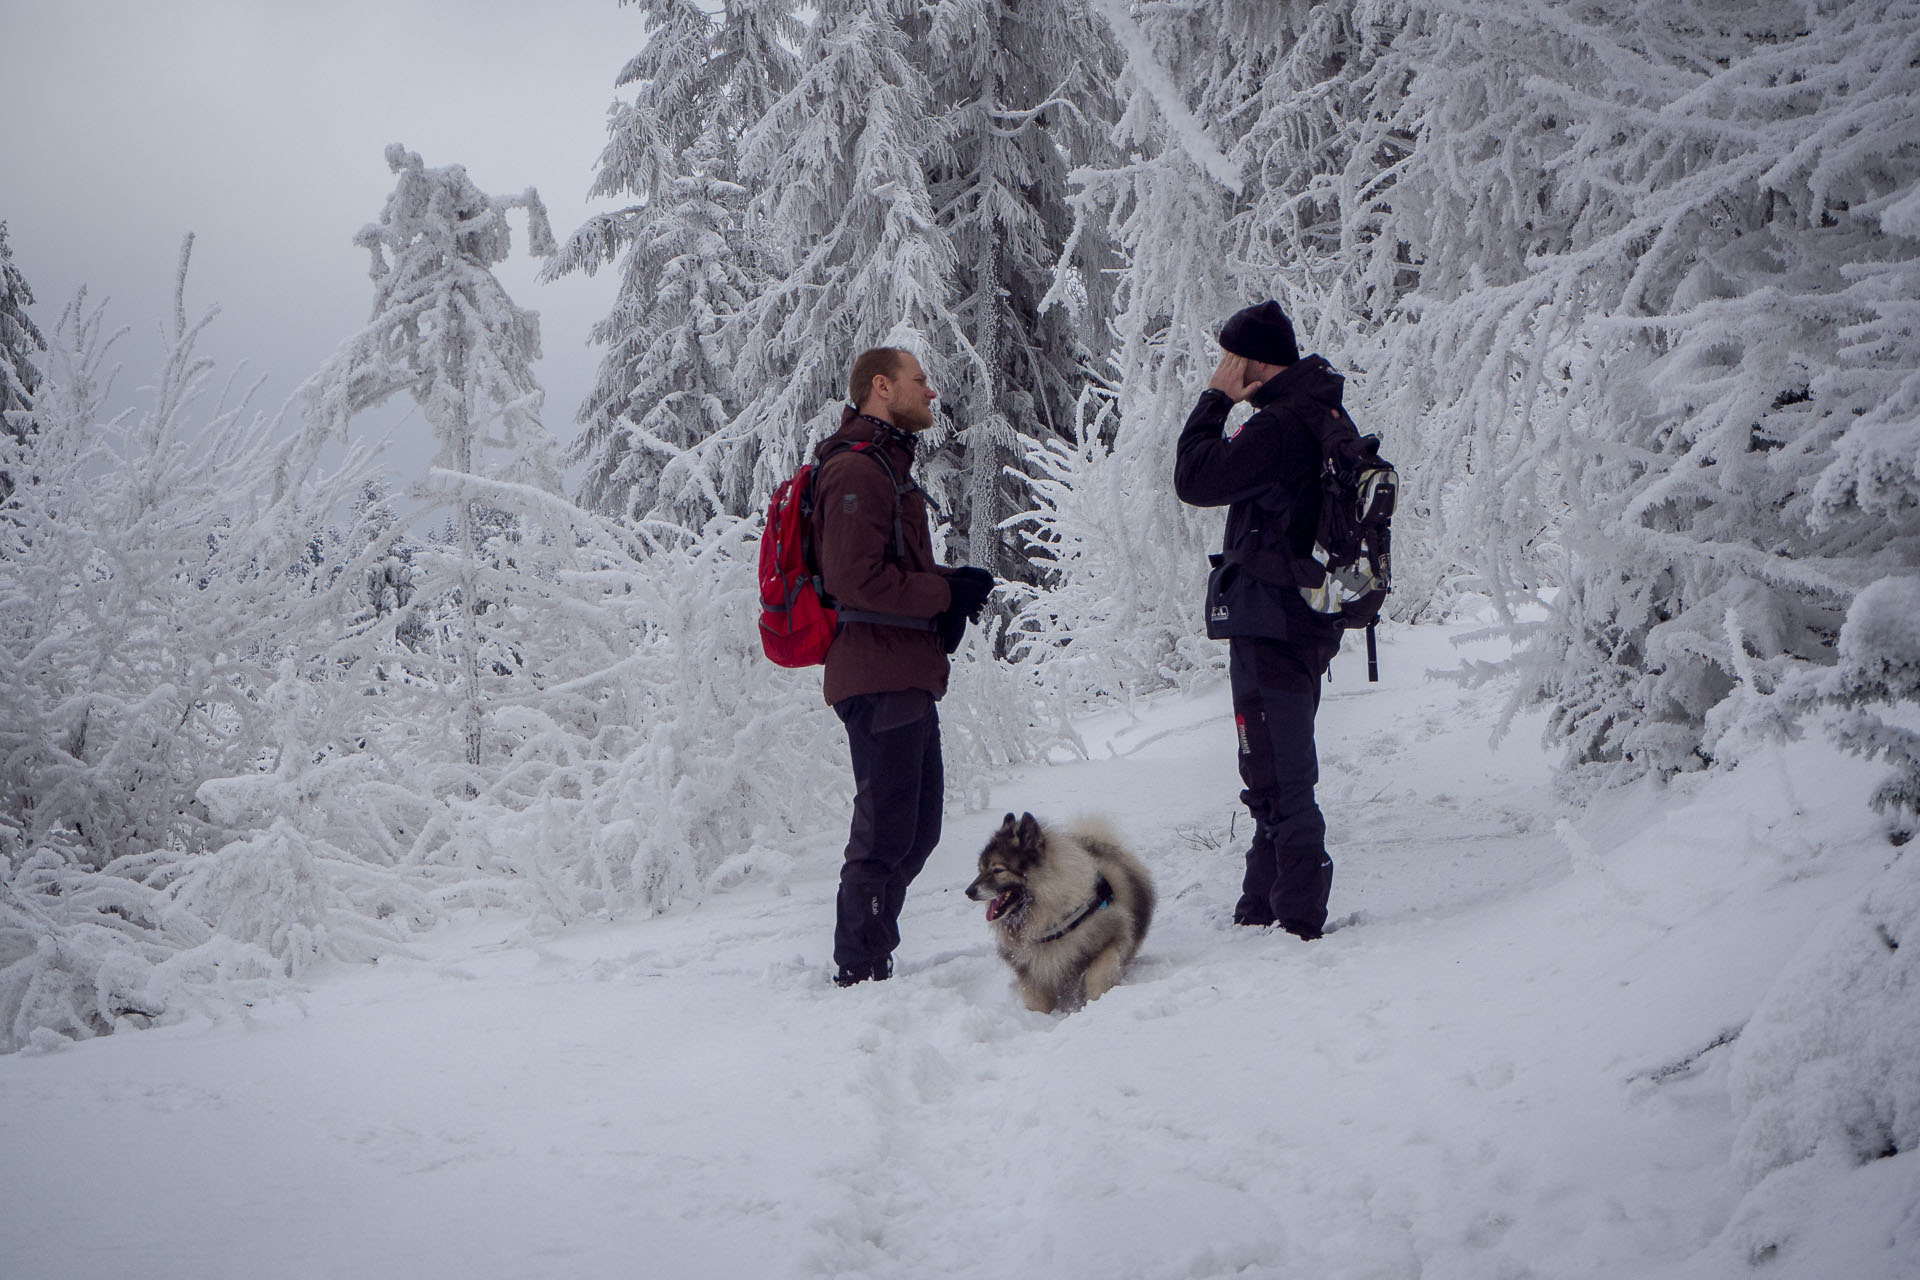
x=1511 y=1061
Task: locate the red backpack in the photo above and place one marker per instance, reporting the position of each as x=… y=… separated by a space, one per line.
x=798 y=620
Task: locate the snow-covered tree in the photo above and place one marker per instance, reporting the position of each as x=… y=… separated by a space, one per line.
x=1875 y=684
x=157 y=577
x=686 y=262
x=1021 y=93
x=1662 y=325
x=445 y=332
x=880 y=173
x=20 y=344
x=841 y=208
x=665 y=383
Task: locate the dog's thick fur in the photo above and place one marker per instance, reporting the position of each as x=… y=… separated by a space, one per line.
x=1036 y=881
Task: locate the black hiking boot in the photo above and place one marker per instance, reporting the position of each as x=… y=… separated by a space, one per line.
x=851 y=975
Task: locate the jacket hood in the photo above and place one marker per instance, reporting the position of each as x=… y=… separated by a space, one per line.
x=1312 y=378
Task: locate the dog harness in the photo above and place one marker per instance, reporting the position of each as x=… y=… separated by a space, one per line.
x=1102 y=898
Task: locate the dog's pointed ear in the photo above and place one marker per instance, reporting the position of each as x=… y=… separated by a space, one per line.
x=1007 y=825
x=1029 y=833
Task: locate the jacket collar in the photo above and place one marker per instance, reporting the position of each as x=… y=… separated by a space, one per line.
x=886 y=433
x=1311 y=377
x=856 y=426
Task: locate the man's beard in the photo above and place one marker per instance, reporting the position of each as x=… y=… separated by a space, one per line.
x=913 y=417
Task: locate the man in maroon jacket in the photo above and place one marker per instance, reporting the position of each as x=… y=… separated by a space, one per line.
x=901 y=614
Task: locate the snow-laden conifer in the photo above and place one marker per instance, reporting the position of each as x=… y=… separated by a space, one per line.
x=1875 y=684
x=445 y=332
x=902 y=179
x=666 y=382
x=1021 y=93
x=21 y=344
x=1661 y=325
x=842 y=209
x=685 y=263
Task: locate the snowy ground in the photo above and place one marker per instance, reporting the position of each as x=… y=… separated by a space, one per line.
x=1503 y=1067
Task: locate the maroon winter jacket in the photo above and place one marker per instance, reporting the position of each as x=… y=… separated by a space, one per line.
x=853 y=526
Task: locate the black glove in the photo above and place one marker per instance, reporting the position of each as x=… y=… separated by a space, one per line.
x=952 y=628
x=970 y=587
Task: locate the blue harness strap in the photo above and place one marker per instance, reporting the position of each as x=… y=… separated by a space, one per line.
x=1102 y=899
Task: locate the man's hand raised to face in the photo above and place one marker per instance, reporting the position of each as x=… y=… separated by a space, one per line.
x=1235 y=377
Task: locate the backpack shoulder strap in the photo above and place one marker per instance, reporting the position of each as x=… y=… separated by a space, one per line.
x=872 y=450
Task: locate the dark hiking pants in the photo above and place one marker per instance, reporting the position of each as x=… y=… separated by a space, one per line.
x=1276 y=691
x=894 y=739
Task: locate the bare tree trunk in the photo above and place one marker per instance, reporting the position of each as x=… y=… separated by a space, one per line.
x=469 y=558
x=984 y=437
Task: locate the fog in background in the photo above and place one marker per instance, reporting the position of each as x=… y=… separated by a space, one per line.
x=260 y=126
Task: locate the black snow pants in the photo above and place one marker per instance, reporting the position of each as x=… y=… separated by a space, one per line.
x=1276 y=691
x=899 y=785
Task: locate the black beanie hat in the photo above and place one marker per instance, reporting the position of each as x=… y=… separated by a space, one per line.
x=1261 y=332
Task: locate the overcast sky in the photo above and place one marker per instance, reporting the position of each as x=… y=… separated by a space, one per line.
x=260 y=125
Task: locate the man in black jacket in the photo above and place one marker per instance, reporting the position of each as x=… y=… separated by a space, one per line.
x=1267 y=475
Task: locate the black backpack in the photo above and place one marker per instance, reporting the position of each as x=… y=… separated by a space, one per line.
x=1351 y=571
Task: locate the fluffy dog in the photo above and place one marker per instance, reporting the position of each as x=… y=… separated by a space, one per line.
x=1068 y=908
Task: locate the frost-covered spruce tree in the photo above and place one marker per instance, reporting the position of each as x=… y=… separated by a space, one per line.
x=445 y=332
x=1662 y=323
x=957 y=115
x=1329 y=129
x=20 y=344
x=686 y=267
x=842 y=209
x=1022 y=93
x=666 y=382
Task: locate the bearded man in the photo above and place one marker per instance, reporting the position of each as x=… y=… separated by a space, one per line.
x=901 y=614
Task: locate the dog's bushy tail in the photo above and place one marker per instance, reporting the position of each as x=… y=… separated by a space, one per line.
x=1094 y=832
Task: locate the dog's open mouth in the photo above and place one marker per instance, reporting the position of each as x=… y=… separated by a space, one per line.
x=1002 y=904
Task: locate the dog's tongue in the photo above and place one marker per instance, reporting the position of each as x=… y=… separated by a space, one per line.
x=998 y=905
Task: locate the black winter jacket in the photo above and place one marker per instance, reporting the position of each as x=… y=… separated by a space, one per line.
x=1267 y=474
